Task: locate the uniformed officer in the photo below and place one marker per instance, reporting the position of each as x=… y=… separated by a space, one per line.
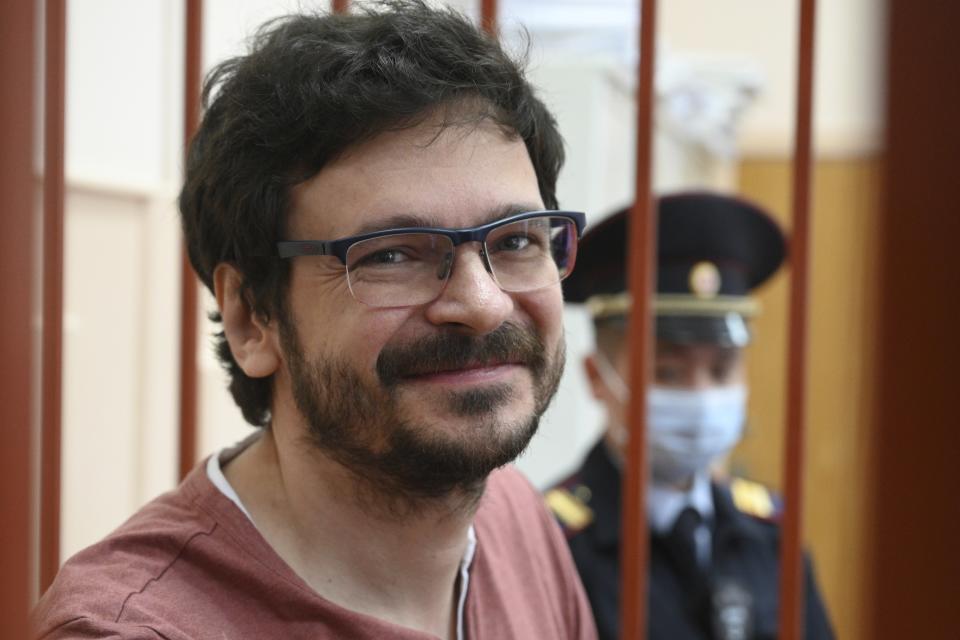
x=714 y=544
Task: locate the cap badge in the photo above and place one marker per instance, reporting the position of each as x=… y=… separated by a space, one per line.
x=705 y=280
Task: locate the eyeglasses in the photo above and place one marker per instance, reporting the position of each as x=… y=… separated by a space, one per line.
x=411 y=266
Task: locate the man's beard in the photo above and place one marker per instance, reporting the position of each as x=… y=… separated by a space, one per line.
x=363 y=427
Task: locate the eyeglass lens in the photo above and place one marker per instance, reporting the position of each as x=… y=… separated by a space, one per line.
x=412 y=268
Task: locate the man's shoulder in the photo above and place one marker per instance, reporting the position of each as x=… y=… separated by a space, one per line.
x=97 y=583
x=506 y=477
x=512 y=507
x=94 y=628
x=748 y=511
x=516 y=539
x=753 y=499
x=507 y=489
x=589 y=496
x=569 y=502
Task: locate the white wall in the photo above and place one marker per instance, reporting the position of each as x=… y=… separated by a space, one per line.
x=122 y=248
x=848 y=81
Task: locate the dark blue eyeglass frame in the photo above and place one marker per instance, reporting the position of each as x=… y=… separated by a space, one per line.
x=339 y=247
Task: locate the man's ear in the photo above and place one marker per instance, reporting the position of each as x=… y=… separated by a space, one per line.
x=252 y=341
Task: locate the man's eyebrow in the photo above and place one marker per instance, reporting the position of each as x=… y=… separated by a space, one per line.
x=409 y=220
x=397 y=221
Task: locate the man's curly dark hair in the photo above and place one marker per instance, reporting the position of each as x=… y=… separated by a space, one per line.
x=310 y=87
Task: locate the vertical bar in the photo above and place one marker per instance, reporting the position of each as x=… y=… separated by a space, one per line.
x=18 y=34
x=340 y=6
x=188 y=282
x=488 y=16
x=642 y=249
x=914 y=523
x=791 y=566
x=52 y=338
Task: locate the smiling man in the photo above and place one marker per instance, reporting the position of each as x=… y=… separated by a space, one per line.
x=371 y=199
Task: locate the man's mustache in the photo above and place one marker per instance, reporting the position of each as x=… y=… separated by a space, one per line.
x=449 y=351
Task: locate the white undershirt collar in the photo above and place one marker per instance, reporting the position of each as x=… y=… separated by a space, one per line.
x=215 y=473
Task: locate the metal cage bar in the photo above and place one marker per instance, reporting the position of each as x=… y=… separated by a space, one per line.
x=913 y=516
x=489 y=16
x=193 y=52
x=51 y=369
x=18 y=71
x=791 y=566
x=642 y=249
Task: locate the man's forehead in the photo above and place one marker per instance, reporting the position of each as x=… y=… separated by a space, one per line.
x=457 y=178
x=418 y=220
x=367 y=222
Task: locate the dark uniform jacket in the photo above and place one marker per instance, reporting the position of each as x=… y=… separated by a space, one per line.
x=738 y=592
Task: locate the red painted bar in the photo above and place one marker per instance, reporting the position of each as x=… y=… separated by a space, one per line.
x=488 y=16
x=51 y=369
x=340 y=6
x=642 y=243
x=791 y=566
x=18 y=33
x=188 y=282
x=913 y=525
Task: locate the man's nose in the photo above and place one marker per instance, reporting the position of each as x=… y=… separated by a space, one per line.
x=471 y=299
x=700 y=378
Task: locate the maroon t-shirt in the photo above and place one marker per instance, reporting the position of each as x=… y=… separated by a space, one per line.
x=191 y=566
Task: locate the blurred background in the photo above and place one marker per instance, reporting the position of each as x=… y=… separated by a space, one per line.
x=725 y=101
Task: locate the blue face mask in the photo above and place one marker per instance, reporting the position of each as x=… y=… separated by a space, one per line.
x=690 y=429
x=687 y=429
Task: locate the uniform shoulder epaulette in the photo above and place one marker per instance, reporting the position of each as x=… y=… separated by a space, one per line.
x=754 y=499
x=569 y=506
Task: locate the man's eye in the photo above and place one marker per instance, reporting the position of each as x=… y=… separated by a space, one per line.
x=515 y=242
x=724 y=368
x=384 y=257
x=722 y=373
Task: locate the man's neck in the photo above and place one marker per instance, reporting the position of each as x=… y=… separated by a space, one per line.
x=360 y=551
